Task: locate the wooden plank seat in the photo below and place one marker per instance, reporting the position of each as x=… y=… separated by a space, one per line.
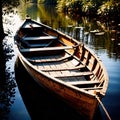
x=38 y=45
x=39 y=38
x=45 y=49
x=35 y=61
x=80 y=74
x=83 y=82
x=28 y=45
x=46 y=44
x=64 y=69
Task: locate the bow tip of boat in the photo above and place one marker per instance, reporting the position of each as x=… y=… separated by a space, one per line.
x=28 y=17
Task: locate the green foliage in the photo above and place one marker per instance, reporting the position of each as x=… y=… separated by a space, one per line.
x=88 y=7
x=70 y=6
x=8 y=5
x=97 y=7
x=12 y=3
x=109 y=8
x=61 y=5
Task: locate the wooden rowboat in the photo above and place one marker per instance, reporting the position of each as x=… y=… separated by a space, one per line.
x=63 y=66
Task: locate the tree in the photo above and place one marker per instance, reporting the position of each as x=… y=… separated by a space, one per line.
x=7 y=90
x=8 y=4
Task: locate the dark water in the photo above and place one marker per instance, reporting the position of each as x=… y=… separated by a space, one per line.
x=40 y=104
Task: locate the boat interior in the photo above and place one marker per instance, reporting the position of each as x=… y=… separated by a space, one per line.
x=69 y=62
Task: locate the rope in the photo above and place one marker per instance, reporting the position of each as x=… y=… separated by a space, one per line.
x=106 y=112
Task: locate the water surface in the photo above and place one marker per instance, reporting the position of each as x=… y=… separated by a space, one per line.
x=104 y=46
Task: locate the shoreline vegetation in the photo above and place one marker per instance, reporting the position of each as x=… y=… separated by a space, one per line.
x=104 y=9
x=106 y=12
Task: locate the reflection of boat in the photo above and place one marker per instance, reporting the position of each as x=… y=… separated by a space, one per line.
x=62 y=65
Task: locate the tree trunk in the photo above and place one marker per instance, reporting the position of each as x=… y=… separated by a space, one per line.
x=2 y=54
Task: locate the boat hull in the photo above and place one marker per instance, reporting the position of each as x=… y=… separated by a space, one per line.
x=83 y=103
x=52 y=50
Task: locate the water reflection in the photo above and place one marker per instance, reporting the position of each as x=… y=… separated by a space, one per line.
x=11 y=104
x=7 y=89
x=99 y=35
x=106 y=46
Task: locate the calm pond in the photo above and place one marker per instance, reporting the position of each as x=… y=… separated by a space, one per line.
x=105 y=43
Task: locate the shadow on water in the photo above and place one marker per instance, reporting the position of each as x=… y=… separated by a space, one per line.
x=7 y=95
x=40 y=103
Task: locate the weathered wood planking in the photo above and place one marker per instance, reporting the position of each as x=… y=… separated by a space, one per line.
x=62 y=65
